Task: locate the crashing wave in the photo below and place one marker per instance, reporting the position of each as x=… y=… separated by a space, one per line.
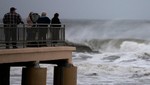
x=79 y=47
x=98 y=45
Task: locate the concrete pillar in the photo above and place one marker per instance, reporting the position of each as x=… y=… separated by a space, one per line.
x=65 y=75
x=4 y=75
x=34 y=76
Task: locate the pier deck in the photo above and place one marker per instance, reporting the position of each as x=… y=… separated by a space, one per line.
x=43 y=54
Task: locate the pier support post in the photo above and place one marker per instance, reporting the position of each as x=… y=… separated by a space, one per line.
x=34 y=76
x=4 y=75
x=65 y=75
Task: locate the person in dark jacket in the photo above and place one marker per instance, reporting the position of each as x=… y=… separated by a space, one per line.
x=43 y=22
x=11 y=20
x=55 y=24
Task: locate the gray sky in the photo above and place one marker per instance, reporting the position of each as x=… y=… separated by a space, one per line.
x=81 y=9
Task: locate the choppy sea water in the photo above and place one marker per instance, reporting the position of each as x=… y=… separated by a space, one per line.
x=123 y=56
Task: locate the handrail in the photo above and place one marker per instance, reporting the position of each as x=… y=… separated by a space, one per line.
x=24 y=32
x=62 y=25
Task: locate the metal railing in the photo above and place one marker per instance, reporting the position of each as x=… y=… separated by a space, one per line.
x=37 y=35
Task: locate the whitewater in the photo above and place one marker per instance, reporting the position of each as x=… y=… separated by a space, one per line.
x=122 y=54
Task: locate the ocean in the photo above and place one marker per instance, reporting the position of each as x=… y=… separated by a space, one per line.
x=122 y=54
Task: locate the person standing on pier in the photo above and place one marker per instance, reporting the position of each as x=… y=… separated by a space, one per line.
x=43 y=22
x=56 y=24
x=32 y=29
x=11 y=20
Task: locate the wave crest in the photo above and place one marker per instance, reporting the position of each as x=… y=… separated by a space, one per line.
x=114 y=44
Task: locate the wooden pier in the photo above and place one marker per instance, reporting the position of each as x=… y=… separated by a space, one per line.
x=65 y=73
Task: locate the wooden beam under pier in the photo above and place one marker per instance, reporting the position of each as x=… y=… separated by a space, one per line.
x=36 y=54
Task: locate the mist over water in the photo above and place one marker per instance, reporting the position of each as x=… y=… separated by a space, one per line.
x=108 y=29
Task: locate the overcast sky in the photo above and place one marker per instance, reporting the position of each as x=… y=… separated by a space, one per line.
x=81 y=9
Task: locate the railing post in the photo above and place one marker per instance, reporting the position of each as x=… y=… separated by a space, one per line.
x=64 y=33
x=24 y=36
